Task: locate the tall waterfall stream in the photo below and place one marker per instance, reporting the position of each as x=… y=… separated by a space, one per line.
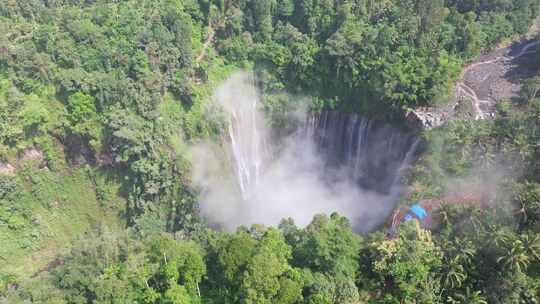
x=333 y=162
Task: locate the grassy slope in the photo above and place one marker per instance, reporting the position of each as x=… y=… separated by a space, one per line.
x=55 y=207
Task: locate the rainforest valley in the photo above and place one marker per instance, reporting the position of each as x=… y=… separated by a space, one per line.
x=114 y=116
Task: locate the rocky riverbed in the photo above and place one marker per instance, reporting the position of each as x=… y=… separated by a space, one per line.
x=493 y=77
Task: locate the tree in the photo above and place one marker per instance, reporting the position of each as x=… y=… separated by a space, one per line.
x=514 y=256
x=253 y=267
x=82 y=114
x=329 y=248
x=319 y=288
x=267 y=270
x=431 y=13
x=262 y=17
x=530 y=89
x=180 y=263
x=34 y=115
x=407 y=263
x=92 y=268
x=177 y=294
x=285 y=8
x=472 y=297
x=527 y=196
x=531 y=243
x=233 y=256
x=457 y=261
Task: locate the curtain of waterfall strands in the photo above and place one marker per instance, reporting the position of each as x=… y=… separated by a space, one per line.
x=246 y=132
x=333 y=162
x=373 y=154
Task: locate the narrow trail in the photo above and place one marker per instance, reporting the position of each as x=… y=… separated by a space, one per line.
x=206 y=45
x=468 y=91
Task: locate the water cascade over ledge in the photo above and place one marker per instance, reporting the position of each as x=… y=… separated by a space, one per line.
x=333 y=162
x=372 y=153
x=247 y=136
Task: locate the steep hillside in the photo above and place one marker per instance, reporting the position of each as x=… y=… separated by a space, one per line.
x=492 y=77
x=44 y=211
x=103 y=104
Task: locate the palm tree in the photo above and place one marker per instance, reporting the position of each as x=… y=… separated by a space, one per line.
x=459 y=258
x=522 y=212
x=500 y=236
x=455 y=275
x=515 y=257
x=474 y=297
x=531 y=244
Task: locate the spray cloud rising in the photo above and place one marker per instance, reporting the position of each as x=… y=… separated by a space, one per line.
x=252 y=179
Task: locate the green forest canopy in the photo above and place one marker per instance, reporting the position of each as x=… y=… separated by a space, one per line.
x=123 y=83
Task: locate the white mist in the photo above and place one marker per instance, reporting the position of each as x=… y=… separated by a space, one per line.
x=250 y=179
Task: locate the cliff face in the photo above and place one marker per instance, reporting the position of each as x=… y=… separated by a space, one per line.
x=372 y=153
x=425 y=118
x=491 y=78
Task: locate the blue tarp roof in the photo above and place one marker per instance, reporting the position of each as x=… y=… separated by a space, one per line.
x=418 y=211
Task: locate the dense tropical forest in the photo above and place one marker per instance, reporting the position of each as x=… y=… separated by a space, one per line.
x=100 y=100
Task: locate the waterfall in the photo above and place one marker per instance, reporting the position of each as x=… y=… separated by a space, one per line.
x=406 y=162
x=246 y=131
x=333 y=162
x=373 y=153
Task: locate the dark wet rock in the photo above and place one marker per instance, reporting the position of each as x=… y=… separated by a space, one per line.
x=105 y=158
x=371 y=152
x=77 y=150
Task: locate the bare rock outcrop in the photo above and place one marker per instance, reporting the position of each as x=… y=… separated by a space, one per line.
x=426 y=118
x=33 y=155
x=6 y=168
x=484 y=83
